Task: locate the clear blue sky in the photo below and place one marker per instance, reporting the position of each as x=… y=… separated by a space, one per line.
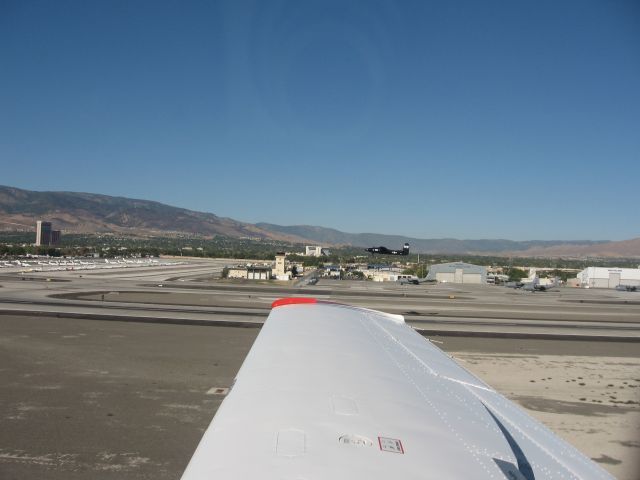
x=467 y=119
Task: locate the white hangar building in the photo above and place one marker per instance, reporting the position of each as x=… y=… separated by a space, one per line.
x=457 y=272
x=603 y=277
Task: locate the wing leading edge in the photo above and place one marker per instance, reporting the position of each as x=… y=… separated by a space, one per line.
x=332 y=391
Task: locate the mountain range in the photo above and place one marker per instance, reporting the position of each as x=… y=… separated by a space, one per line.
x=75 y=212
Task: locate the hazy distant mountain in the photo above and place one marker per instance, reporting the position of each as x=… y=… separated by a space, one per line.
x=89 y=212
x=329 y=236
x=93 y=213
x=621 y=249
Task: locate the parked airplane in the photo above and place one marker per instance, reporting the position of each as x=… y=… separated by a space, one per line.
x=386 y=251
x=404 y=279
x=373 y=399
x=412 y=280
x=627 y=288
x=534 y=284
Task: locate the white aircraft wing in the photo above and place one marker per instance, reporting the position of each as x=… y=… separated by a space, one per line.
x=330 y=391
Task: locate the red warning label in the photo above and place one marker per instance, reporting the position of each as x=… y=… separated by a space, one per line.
x=390 y=445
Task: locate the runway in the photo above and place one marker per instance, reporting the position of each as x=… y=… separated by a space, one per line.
x=184 y=294
x=121 y=387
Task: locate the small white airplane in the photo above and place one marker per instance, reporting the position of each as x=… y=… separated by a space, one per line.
x=535 y=284
x=330 y=391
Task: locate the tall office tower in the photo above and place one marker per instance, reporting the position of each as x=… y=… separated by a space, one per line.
x=55 y=237
x=43 y=233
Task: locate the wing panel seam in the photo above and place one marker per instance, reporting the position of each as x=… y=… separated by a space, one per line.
x=474 y=454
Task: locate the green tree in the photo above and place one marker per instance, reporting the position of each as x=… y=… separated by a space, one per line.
x=419 y=270
x=515 y=274
x=561 y=274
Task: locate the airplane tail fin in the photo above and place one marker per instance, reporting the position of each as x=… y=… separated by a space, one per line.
x=405 y=249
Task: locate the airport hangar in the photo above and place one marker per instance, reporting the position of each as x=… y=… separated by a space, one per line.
x=457 y=272
x=602 y=277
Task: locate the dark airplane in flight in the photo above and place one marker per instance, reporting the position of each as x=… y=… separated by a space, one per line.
x=386 y=251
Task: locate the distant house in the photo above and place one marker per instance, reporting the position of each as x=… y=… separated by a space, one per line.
x=331 y=271
x=315 y=251
x=457 y=272
x=603 y=277
x=259 y=273
x=383 y=273
x=237 y=272
x=251 y=272
x=497 y=278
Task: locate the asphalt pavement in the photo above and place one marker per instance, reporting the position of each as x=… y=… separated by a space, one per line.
x=117 y=373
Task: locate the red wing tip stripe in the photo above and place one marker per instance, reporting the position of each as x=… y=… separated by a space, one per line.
x=293 y=301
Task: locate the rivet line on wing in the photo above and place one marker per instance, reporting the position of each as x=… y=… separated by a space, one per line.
x=550 y=437
x=441 y=414
x=421 y=362
x=498 y=413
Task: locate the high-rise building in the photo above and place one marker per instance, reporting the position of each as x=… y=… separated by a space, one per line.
x=55 y=237
x=43 y=233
